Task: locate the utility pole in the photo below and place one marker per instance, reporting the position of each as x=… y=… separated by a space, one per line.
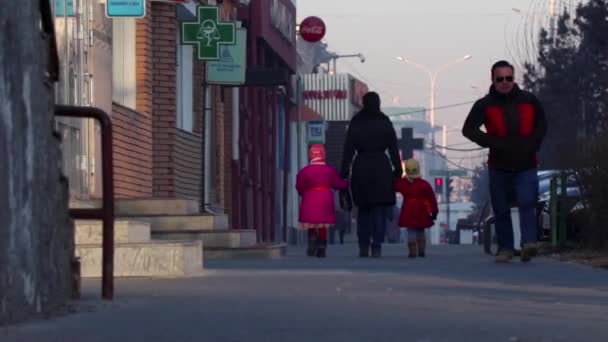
x=334 y=58
x=444 y=141
x=433 y=82
x=553 y=19
x=447 y=200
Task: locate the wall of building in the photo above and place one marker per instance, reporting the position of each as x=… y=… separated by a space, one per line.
x=132 y=153
x=271 y=44
x=187 y=165
x=334 y=142
x=329 y=95
x=36 y=237
x=164 y=102
x=226 y=157
x=176 y=153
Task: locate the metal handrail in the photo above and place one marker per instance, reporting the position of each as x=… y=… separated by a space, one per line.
x=106 y=212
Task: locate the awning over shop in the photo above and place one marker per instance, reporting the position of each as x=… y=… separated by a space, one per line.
x=308 y=114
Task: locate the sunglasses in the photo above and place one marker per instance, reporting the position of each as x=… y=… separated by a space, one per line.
x=501 y=79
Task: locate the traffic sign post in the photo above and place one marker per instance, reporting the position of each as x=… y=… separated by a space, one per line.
x=439 y=185
x=448 y=174
x=208 y=33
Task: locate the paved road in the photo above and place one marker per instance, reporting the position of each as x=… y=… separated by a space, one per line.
x=456 y=294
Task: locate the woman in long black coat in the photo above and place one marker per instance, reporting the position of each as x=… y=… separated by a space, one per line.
x=370 y=136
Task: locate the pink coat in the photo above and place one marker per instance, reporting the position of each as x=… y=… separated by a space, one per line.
x=315 y=183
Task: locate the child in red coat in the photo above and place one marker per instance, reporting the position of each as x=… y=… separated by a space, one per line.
x=317 y=211
x=419 y=209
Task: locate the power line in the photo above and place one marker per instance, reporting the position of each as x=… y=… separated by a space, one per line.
x=462 y=144
x=392 y=84
x=456 y=149
x=466 y=157
x=363 y=78
x=366 y=15
x=436 y=108
x=449 y=161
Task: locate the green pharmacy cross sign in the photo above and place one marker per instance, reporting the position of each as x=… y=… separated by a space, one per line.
x=207 y=33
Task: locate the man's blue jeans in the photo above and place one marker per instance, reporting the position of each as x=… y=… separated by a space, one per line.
x=520 y=188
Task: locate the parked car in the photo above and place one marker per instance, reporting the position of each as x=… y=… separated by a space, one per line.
x=485 y=224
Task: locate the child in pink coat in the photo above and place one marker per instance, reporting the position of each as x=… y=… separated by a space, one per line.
x=317 y=212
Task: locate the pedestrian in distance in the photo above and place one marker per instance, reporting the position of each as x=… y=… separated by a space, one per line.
x=515 y=127
x=315 y=184
x=369 y=136
x=342 y=224
x=419 y=210
x=393 y=230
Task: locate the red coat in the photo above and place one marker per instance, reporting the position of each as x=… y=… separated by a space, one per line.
x=315 y=183
x=419 y=203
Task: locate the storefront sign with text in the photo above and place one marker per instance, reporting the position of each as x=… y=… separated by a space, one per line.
x=325 y=94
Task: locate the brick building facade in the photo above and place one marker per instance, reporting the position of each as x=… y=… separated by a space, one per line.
x=153 y=157
x=168 y=145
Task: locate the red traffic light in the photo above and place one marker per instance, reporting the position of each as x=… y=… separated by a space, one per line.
x=438 y=182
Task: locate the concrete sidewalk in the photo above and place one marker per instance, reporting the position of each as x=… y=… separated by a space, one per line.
x=455 y=294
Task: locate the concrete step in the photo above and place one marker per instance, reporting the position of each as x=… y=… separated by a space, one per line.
x=84 y=204
x=157 y=259
x=89 y=232
x=212 y=238
x=184 y=222
x=259 y=251
x=156 y=206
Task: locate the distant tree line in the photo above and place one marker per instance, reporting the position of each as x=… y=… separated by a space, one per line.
x=570 y=76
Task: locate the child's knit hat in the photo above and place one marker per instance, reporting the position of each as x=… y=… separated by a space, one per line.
x=316 y=154
x=412 y=169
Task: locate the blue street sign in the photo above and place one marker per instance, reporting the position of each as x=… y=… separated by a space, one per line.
x=316 y=132
x=126 y=8
x=61 y=5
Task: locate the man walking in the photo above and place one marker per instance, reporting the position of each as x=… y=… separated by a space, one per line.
x=515 y=126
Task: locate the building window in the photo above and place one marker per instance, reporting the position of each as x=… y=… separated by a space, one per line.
x=124 y=80
x=184 y=89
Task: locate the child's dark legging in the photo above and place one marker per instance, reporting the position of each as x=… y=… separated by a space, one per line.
x=318 y=233
x=414 y=235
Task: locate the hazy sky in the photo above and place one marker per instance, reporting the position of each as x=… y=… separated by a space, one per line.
x=433 y=33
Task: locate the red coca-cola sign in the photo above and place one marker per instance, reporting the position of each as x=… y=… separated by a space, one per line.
x=312 y=29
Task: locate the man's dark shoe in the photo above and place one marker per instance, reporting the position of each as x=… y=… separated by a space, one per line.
x=376 y=252
x=504 y=256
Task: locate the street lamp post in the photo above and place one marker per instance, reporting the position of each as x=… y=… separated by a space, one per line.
x=433 y=78
x=334 y=57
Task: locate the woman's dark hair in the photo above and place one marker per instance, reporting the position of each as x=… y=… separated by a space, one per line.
x=371 y=102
